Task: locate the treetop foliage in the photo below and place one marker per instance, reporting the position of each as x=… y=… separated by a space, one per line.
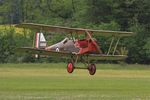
x=123 y=15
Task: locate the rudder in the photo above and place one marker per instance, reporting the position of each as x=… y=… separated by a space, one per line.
x=40 y=41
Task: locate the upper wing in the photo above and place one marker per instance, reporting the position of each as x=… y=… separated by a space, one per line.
x=60 y=29
x=42 y=52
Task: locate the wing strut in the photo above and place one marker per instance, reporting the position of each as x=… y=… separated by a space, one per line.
x=93 y=41
x=110 y=46
x=116 y=46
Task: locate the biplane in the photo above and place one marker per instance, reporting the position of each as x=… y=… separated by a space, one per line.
x=83 y=50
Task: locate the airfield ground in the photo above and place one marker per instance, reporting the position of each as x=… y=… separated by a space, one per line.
x=52 y=82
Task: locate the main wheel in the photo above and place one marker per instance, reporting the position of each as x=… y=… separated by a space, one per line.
x=92 y=69
x=70 y=67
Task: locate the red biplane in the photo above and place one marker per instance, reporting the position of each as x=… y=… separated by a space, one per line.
x=83 y=50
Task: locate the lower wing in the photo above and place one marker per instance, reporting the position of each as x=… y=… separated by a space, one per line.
x=107 y=57
x=30 y=50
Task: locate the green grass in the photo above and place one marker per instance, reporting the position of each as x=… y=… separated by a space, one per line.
x=52 y=82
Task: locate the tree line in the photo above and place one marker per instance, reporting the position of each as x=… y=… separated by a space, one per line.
x=118 y=15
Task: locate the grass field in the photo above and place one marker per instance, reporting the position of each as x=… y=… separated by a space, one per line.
x=52 y=82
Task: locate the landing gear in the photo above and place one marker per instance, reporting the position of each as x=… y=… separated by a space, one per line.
x=92 y=69
x=70 y=67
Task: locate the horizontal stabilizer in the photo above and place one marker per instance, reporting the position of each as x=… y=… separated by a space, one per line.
x=31 y=50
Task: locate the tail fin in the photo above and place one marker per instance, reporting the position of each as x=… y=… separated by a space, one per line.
x=40 y=41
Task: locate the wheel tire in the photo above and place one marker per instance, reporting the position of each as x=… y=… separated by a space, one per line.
x=70 y=67
x=92 y=69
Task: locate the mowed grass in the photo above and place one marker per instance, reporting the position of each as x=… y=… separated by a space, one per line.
x=52 y=82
